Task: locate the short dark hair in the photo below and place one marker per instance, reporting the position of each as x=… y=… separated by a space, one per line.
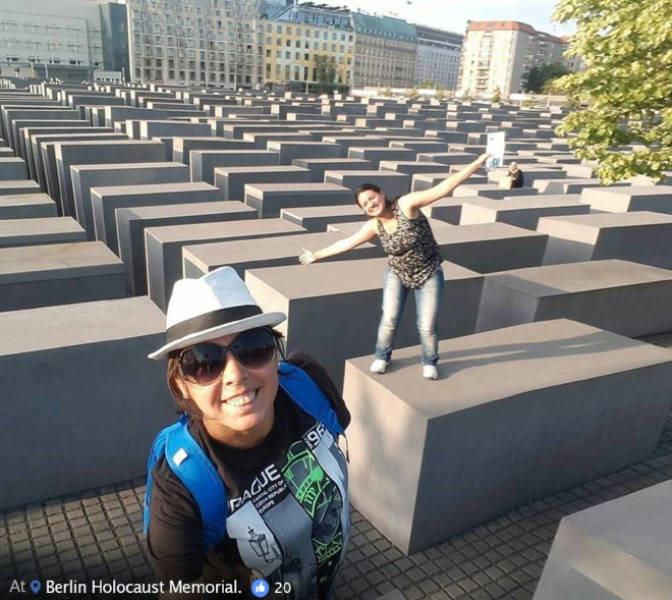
x=365 y=187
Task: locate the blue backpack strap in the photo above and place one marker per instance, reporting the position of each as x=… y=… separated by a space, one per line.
x=307 y=395
x=197 y=473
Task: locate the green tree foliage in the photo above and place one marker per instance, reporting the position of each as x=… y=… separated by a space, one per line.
x=496 y=96
x=427 y=84
x=537 y=77
x=325 y=73
x=627 y=85
x=413 y=94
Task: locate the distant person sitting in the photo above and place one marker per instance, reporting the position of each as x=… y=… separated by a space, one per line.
x=516 y=176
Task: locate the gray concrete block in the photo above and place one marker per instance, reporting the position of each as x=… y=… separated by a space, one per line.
x=655 y=198
x=106 y=200
x=260 y=139
x=72 y=367
x=616 y=550
x=354 y=291
x=163 y=246
x=639 y=236
x=50 y=230
x=530 y=174
x=26 y=206
x=376 y=154
x=317 y=218
x=491 y=190
x=132 y=222
x=204 y=162
x=420 y=145
x=99 y=152
x=26 y=148
x=274 y=252
x=349 y=140
x=288 y=150
x=565 y=186
x=161 y=129
x=13 y=168
x=521 y=211
x=410 y=167
x=18 y=186
x=270 y=198
x=85 y=177
x=424 y=181
x=232 y=180
x=447 y=158
x=318 y=166
x=573 y=395
x=392 y=183
x=182 y=146
x=615 y=295
x=34 y=276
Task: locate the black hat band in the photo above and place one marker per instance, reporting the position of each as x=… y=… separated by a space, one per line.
x=209 y=320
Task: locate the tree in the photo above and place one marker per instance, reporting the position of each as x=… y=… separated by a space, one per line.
x=325 y=73
x=496 y=96
x=413 y=94
x=627 y=83
x=427 y=84
x=537 y=77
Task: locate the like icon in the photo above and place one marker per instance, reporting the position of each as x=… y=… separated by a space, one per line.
x=260 y=588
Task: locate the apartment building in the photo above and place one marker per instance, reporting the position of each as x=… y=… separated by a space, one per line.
x=42 y=38
x=300 y=33
x=186 y=42
x=500 y=54
x=385 y=51
x=438 y=56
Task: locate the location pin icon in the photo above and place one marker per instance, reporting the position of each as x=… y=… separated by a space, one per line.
x=35 y=585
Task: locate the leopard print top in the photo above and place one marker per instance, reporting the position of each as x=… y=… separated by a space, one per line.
x=414 y=254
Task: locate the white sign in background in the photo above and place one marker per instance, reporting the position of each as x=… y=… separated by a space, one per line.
x=495 y=147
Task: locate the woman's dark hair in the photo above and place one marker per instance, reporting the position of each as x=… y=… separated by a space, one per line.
x=187 y=404
x=365 y=187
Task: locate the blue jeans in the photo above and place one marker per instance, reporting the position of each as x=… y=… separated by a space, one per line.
x=427 y=301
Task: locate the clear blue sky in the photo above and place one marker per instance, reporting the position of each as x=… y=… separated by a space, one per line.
x=452 y=15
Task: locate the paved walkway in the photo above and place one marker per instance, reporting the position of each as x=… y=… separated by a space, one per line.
x=98 y=535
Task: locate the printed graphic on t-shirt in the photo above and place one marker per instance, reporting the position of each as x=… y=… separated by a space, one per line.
x=292 y=523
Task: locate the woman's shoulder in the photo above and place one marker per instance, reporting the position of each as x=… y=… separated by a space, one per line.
x=319 y=374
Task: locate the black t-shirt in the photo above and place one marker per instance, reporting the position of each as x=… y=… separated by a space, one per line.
x=175 y=537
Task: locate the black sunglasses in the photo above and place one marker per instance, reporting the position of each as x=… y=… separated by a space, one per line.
x=204 y=363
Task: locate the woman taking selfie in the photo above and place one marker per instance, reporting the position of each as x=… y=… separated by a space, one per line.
x=414 y=261
x=250 y=484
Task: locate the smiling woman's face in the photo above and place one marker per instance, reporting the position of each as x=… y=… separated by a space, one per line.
x=371 y=202
x=237 y=407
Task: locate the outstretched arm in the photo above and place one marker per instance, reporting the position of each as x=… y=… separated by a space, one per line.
x=413 y=202
x=365 y=234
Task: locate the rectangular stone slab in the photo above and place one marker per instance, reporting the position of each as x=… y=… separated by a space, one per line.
x=632 y=532
x=376 y=154
x=393 y=184
x=447 y=158
x=616 y=295
x=521 y=211
x=491 y=190
x=152 y=129
x=654 y=198
x=163 y=246
x=260 y=139
x=352 y=293
x=318 y=166
x=132 y=222
x=517 y=414
x=317 y=218
x=57 y=355
x=270 y=198
x=289 y=150
x=423 y=181
x=204 y=162
x=49 y=230
x=46 y=127
x=99 y=152
x=639 y=236
x=33 y=276
x=106 y=200
x=530 y=174
x=26 y=206
x=18 y=186
x=182 y=146
x=232 y=180
x=13 y=168
x=277 y=251
x=85 y=177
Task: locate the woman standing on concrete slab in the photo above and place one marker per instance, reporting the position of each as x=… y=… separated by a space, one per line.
x=247 y=493
x=414 y=264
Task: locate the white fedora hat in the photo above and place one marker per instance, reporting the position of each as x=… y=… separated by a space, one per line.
x=214 y=305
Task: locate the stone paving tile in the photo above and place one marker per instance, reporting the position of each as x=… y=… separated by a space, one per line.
x=98 y=535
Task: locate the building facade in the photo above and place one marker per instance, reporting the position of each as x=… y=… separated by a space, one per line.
x=40 y=39
x=203 y=42
x=438 y=57
x=114 y=34
x=500 y=54
x=297 y=36
x=385 y=51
